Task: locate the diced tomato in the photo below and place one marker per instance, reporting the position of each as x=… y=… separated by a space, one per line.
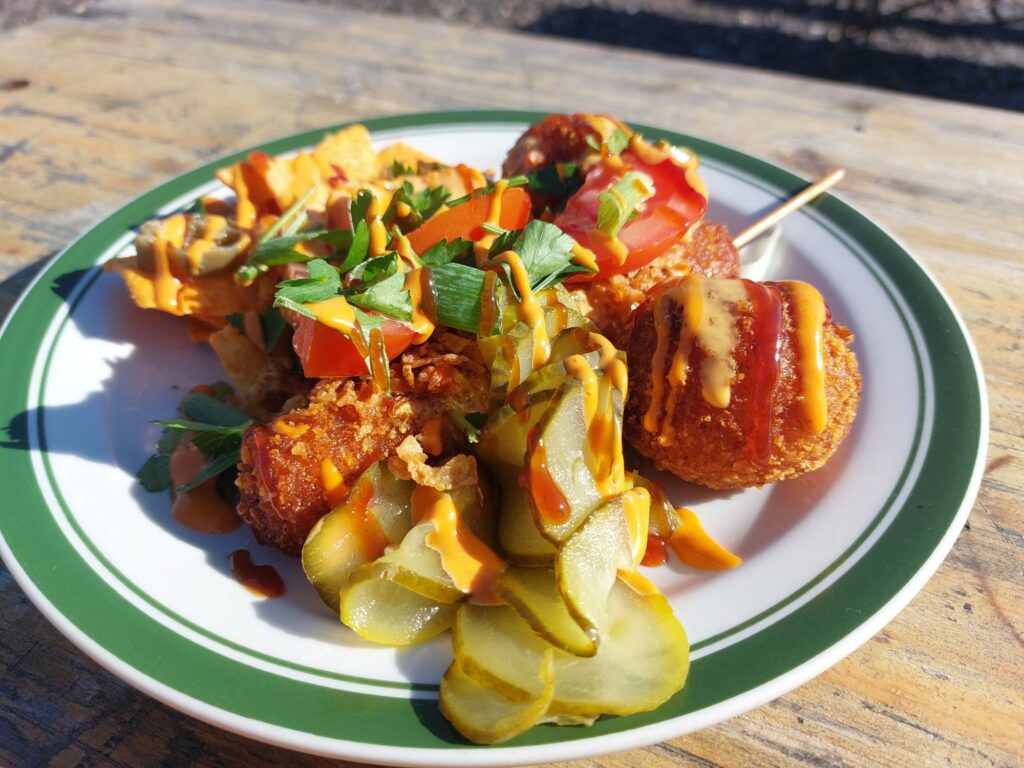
x=466 y=220
x=324 y=351
x=658 y=224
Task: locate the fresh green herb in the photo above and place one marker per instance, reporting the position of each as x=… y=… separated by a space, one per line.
x=445 y=252
x=513 y=181
x=469 y=423
x=555 y=184
x=426 y=202
x=457 y=288
x=388 y=296
x=507 y=241
x=593 y=142
x=323 y=283
x=284 y=218
x=271 y=324
x=359 y=247
x=212 y=426
x=617 y=142
x=494 y=229
x=399 y=169
x=617 y=204
x=281 y=250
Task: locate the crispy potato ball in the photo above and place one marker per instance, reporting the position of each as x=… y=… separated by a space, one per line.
x=760 y=435
x=294 y=469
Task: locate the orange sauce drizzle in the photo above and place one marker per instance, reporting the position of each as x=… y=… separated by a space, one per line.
x=430 y=436
x=333 y=482
x=403 y=210
x=378 y=233
x=693 y=546
x=420 y=285
x=809 y=310
x=288 y=429
x=708 y=320
x=483 y=245
x=366 y=530
x=636 y=506
x=536 y=480
x=473 y=566
x=379 y=371
x=261 y=580
x=527 y=308
x=166 y=286
x=202 y=509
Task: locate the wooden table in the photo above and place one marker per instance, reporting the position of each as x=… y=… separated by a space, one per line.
x=99 y=107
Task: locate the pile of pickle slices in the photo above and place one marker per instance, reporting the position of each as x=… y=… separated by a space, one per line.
x=555 y=624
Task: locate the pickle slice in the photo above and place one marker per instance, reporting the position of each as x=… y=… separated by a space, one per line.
x=642 y=661
x=533 y=594
x=503 y=441
x=559 y=433
x=417 y=567
x=483 y=715
x=382 y=611
x=587 y=564
x=493 y=645
x=340 y=541
x=520 y=539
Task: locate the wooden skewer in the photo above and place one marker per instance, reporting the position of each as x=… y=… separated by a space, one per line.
x=798 y=200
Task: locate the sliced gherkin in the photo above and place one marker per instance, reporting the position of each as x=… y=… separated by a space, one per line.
x=520 y=539
x=378 y=507
x=382 y=611
x=482 y=714
x=588 y=562
x=533 y=594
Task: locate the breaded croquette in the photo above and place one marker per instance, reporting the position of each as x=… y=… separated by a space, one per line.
x=294 y=469
x=726 y=390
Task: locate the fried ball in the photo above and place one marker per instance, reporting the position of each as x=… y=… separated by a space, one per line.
x=558 y=139
x=294 y=469
x=741 y=416
x=610 y=304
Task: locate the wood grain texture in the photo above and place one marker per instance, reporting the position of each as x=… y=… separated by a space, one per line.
x=130 y=93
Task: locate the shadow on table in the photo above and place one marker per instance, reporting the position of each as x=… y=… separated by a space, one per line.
x=810 y=51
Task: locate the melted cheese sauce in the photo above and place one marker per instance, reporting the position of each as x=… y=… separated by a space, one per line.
x=166 y=286
x=708 y=321
x=809 y=318
x=333 y=482
x=527 y=308
x=472 y=565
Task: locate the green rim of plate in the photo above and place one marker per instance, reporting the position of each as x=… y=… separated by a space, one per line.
x=97 y=614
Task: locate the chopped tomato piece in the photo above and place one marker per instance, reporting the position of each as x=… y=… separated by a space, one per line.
x=324 y=352
x=658 y=224
x=466 y=220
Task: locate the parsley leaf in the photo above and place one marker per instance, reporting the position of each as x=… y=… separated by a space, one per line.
x=593 y=142
x=375 y=269
x=399 y=169
x=469 y=423
x=444 y=252
x=323 y=283
x=212 y=425
x=388 y=296
x=271 y=323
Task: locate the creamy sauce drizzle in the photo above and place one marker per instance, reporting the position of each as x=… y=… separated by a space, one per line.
x=483 y=246
x=333 y=482
x=472 y=565
x=166 y=286
x=708 y=321
x=809 y=317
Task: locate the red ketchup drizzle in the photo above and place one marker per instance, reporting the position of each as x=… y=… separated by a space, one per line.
x=763 y=368
x=262 y=580
x=656 y=552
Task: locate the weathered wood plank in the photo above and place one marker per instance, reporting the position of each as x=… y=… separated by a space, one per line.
x=132 y=93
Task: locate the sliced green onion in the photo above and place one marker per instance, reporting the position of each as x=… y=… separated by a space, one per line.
x=616 y=204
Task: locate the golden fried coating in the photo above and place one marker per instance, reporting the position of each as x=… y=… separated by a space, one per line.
x=294 y=469
x=760 y=436
x=708 y=251
x=558 y=139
